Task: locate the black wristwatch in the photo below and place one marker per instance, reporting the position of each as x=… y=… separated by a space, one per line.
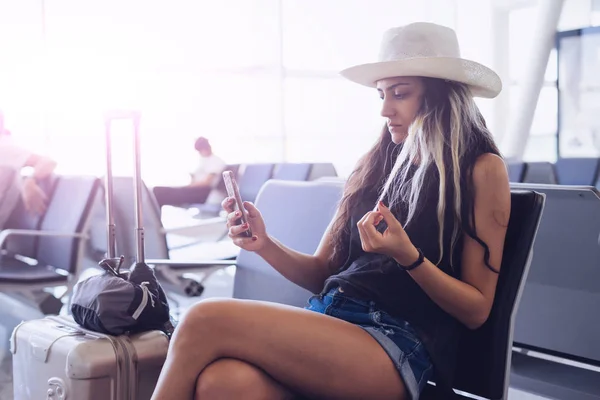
x=415 y=264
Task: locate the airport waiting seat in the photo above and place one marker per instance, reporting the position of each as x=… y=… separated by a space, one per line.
x=235 y=168
x=9 y=193
x=558 y=310
x=252 y=178
x=303 y=171
x=20 y=218
x=322 y=170
x=314 y=204
x=577 y=171
x=55 y=257
x=292 y=171
x=483 y=367
x=516 y=171
x=539 y=172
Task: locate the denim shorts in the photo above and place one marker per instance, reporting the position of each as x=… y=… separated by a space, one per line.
x=397 y=337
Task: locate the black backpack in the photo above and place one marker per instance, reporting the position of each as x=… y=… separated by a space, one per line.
x=117 y=302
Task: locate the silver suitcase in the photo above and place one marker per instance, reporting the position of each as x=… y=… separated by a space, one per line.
x=56 y=359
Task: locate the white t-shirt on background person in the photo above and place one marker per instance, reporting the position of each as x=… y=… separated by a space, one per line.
x=209 y=165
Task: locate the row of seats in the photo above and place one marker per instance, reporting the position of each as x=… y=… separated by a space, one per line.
x=565 y=171
x=40 y=252
x=557 y=314
x=51 y=250
x=251 y=177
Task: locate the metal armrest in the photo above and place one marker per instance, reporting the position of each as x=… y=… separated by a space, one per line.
x=31 y=232
x=191 y=263
x=190 y=229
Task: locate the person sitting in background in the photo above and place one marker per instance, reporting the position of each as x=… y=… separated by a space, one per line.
x=13 y=159
x=203 y=180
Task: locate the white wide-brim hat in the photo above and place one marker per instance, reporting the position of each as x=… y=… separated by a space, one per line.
x=428 y=50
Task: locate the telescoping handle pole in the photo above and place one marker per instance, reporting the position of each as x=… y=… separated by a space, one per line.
x=137 y=181
x=134 y=116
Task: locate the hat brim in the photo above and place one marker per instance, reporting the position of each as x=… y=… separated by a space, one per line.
x=482 y=81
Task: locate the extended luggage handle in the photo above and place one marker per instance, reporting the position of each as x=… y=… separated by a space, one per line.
x=112 y=262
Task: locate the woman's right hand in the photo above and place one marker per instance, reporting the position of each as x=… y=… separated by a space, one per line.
x=255 y=222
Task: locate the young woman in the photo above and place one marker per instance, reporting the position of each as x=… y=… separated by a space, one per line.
x=411 y=258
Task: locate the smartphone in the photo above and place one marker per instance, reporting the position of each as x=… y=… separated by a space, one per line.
x=233 y=191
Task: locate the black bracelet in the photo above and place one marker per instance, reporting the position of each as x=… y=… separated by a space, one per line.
x=415 y=264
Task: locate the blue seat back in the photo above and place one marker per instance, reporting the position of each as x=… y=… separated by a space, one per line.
x=539 y=172
x=516 y=171
x=559 y=308
x=124 y=212
x=253 y=176
x=235 y=168
x=68 y=211
x=9 y=193
x=321 y=170
x=484 y=354
x=22 y=219
x=292 y=171
x=297 y=214
x=577 y=171
x=97 y=230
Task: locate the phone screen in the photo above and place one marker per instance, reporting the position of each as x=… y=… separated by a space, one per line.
x=233 y=191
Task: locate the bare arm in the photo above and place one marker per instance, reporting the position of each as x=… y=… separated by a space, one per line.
x=42 y=166
x=470 y=299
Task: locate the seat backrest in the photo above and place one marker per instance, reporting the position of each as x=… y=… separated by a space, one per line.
x=297 y=214
x=235 y=168
x=97 y=230
x=253 y=176
x=577 y=171
x=516 y=171
x=292 y=171
x=539 y=172
x=155 y=245
x=68 y=211
x=484 y=354
x=9 y=193
x=320 y=170
x=20 y=218
x=564 y=276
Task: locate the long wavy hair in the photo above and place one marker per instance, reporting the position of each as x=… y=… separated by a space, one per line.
x=445 y=138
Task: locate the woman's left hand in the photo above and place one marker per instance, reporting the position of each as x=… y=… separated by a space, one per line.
x=393 y=242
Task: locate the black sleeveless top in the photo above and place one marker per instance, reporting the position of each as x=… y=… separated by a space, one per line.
x=378 y=278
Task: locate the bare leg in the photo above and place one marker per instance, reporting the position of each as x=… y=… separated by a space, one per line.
x=230 y=379
x=308 y=352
